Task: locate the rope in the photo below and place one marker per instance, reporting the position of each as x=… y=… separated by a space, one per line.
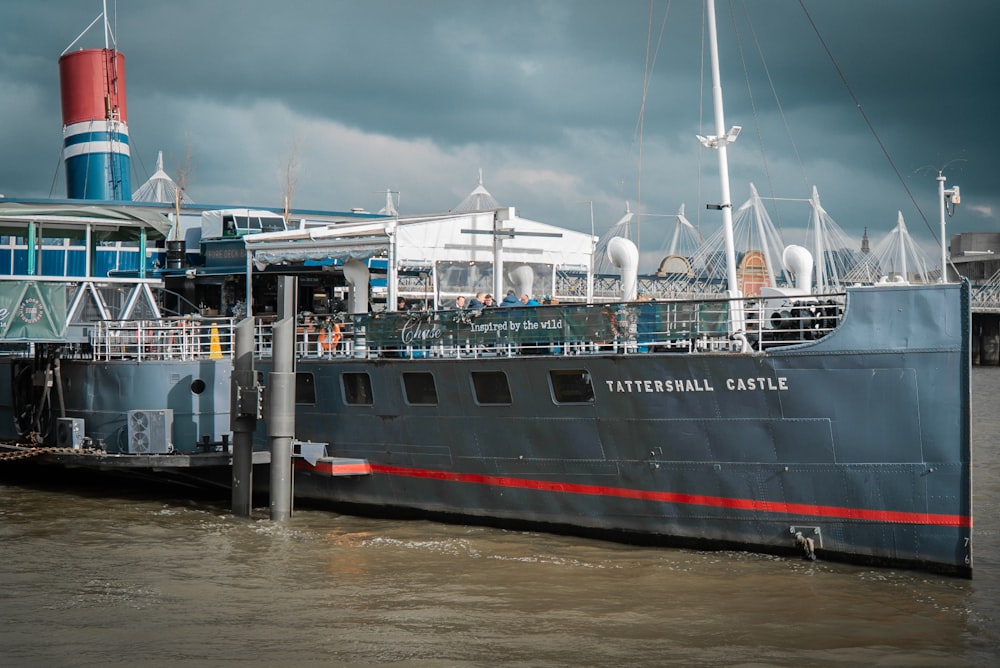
x=753 y=105
x=868 y=122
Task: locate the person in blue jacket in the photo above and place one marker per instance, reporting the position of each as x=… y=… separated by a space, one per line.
x=510 y=300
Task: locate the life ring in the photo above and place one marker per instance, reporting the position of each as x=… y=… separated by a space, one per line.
x=331 y=342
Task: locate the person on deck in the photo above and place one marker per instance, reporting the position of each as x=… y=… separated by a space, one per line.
x=477 y=301
x=510 y=300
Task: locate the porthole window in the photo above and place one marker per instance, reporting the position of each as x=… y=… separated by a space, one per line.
x=572 y=386
x=491 y=387
x=305 y=388
x=357 y=389
x=420 y=389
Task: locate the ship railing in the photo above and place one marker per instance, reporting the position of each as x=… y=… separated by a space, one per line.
x=782 y=322
x=623 y=328
x=619 y=328
x=182 y=338
x=314 y=338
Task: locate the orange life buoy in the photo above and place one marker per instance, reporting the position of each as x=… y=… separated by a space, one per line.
x=330 y=342
x=150 y=342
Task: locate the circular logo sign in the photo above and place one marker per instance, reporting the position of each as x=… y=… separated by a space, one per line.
x=31 y=310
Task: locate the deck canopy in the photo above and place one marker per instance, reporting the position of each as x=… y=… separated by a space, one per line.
x=72 y=220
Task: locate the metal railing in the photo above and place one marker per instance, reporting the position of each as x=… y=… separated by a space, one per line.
x=313 y=338
x=164 y=339
x=631 y=328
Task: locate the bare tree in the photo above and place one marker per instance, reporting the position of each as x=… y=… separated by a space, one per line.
x=290 y=177
x=183 y=172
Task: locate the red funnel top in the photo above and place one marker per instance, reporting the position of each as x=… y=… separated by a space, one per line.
x=92 y=85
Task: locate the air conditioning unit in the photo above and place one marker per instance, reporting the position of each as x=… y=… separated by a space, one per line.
x=69 y=433
x=149 y=431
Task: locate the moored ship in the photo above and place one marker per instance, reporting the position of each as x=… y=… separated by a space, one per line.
x=793 y=420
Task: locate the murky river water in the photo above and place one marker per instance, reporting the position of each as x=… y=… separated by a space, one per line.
x=90 y=577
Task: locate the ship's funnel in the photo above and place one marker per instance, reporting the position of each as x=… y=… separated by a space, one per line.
x=624 y=255
x=799 y=262
x=95 y=125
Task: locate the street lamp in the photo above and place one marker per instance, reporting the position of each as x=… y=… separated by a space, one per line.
x=948 y=199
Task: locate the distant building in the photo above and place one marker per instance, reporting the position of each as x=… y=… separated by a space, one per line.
x=976 y=255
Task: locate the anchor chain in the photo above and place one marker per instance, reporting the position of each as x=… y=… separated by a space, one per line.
x=27 y=452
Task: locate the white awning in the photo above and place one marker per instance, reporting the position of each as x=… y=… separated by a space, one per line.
x=72 y=220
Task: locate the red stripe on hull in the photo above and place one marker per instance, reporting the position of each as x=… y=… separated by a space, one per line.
x=335 y=469
x=797 y=509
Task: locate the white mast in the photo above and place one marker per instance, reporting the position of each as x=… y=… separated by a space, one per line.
x=719 y=142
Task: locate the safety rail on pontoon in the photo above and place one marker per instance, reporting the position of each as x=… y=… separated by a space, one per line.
x=163 y=339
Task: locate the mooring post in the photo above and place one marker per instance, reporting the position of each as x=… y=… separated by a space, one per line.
x=281 y=401
x=244 y=411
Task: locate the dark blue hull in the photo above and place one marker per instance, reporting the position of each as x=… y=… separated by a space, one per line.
x=859 y=442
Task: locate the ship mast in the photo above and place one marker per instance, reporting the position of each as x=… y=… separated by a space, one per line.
x=719 y=142
x=107 y=26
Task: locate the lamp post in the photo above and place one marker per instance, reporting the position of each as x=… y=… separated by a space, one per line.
x=947 y=200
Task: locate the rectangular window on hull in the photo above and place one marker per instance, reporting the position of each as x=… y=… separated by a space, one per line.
x=357 y=389
x=420 y=389
x=305 y=388
x=491 y=387
x=571 y=386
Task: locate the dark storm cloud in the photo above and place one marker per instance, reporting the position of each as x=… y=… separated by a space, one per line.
x=543 y=95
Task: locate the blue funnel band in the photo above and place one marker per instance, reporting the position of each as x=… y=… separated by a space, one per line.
x=98 y=160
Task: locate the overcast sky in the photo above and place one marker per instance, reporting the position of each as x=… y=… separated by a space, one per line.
x=544 y=96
